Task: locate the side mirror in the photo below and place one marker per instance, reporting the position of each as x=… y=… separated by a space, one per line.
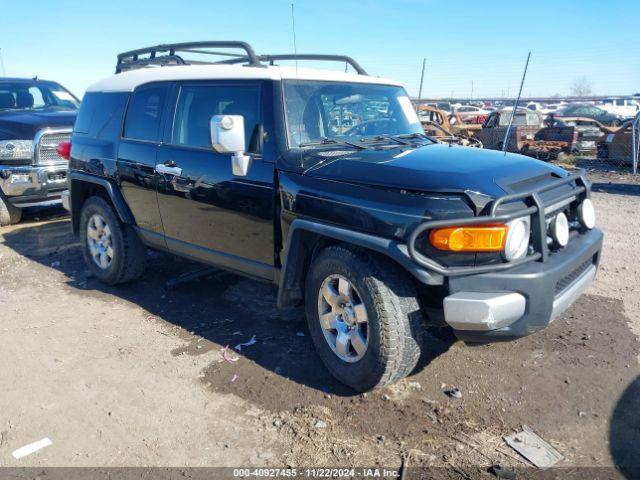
x=227 y=136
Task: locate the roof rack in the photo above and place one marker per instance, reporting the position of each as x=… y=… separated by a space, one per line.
x=131 y=60
x=308 y=56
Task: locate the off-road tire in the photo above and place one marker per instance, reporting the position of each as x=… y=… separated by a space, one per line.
x=9 y=214
x=394 y=317
x=130 y=253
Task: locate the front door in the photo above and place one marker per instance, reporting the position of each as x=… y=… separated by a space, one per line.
x=208 y=213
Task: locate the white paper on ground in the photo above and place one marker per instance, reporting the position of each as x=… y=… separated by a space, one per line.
x=533 y=448
x=32 y=448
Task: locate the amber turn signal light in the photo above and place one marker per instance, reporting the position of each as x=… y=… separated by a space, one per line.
x=472 y=238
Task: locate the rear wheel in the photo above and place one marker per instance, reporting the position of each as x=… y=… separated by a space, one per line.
x=363 y=317
x=9 y=214
x=112 y=250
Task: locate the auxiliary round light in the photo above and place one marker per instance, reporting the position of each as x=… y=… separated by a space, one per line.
x=226 y=123
x=559 y=229
x=517 y=242
x=587 y=214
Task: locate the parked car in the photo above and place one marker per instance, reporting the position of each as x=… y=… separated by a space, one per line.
x=624 y=107
x=438 y=125
x=444 y=106
x=35 y=116
x=617 y=145
x=525 y=125
x=376 y=230
x=528 y=134
x=534 y=106
x=552 y=108
x=589 y=131
x=472 y=114
x=590 y=111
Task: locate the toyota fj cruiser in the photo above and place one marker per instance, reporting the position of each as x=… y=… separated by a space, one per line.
x=35 y=116
x=324 y=183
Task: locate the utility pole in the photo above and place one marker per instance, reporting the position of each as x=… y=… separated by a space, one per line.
x=424 y=61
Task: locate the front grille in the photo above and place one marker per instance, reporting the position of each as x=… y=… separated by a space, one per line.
x=46 y=148
x=567 y=280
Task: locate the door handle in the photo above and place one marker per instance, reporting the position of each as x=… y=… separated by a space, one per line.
x=162 y=168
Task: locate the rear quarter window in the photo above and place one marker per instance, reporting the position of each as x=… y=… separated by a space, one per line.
x=144 y=114
x=100 y=114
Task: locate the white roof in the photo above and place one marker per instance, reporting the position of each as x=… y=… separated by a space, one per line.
x=128 y=81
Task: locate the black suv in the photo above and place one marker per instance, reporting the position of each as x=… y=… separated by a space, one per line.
x=35 y=117
x=324 y=183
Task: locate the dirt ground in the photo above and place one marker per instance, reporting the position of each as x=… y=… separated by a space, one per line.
x=135 y=375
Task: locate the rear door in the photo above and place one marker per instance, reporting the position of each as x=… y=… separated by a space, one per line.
x=208 y=213
x=137 y=157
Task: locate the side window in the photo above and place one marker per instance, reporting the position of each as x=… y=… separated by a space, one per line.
x=85 y=114
x=198 y=103
x=144 y=115
x=36 y=93
x=101 y=113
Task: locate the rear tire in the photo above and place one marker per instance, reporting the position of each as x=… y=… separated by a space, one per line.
x=387 y=299
x=9 y=214
x=112 y=250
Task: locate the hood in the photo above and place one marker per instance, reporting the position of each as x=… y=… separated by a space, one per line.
x=438 y=168
x=23 y=124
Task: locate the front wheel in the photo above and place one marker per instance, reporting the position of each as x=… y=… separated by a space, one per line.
x=363 y=317
x=112 y=250
x=9 y=214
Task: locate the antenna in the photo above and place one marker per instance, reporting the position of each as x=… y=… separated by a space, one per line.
x=293 y=29
x=4 y=73
x=424 y=61
x=515 y=106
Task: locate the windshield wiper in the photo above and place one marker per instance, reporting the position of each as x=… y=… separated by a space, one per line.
x=414 y=136
x=385 y=138
x=332 y=141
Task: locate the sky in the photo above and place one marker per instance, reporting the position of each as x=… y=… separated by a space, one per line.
x=472 y=49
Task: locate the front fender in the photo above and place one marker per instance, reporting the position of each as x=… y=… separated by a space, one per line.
x=305 y=234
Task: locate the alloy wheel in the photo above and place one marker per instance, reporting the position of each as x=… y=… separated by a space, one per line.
x=343 y=318
x=100 y=241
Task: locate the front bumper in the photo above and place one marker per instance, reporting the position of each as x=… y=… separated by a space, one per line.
x=508 y=304
x=27 y=186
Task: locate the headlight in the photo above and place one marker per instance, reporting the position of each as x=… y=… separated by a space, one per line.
x=517 y=242
x=587 y=214
x=16 y=149
x=559 y=229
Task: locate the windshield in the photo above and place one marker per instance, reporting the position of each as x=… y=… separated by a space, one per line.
x=35 y=96
x=520 y=118
x=319 y=112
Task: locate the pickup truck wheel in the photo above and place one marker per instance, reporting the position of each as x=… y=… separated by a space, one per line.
x=111 y=249
x=9 y=214
x=363 y=317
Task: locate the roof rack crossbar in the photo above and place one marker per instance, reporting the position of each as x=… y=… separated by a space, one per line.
x=129 y=60
x=314 y=56
x=301 y=56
